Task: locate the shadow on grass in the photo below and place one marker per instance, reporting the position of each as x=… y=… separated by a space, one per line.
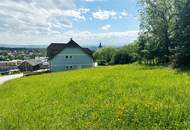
x=151 y=67
x=177 y=71
x=183 y=71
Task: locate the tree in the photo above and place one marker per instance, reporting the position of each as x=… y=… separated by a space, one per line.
x=132 y=50
x=182 y=38
x=122 y=57
x=105 y=54
x=126 y=54
x=157 y=21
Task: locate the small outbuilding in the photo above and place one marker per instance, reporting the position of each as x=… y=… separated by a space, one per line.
x=29 y=65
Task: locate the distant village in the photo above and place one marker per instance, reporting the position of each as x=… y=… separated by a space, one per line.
x=15 y=60
x=8 y=54
x=31 y=65
x=57 y=57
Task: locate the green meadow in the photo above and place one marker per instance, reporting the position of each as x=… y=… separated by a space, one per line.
x=114 y=97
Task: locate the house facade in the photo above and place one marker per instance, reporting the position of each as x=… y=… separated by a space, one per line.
x=69 y=56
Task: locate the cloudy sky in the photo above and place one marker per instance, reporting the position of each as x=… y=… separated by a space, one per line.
x=25 y=22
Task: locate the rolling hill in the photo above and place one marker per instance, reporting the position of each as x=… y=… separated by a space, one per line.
x=114 y=97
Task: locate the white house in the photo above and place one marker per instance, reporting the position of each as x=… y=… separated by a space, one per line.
x=67 y=56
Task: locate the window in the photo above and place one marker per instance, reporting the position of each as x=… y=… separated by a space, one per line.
x=67 y=67
x=70 y=57
x=71 y=67
x=66 y=57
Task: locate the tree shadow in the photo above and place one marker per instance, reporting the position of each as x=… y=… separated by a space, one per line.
x=183 y=71
x=152 y=67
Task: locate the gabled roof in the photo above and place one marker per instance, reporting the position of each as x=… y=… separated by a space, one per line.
x=32 y=62
x=55 y=48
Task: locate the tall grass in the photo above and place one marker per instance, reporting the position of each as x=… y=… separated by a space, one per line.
x=115 y=97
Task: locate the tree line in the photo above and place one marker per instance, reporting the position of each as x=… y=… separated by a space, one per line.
x=164 y=37
x=124 y=55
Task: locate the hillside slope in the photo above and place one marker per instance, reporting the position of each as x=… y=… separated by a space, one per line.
x=117 y=97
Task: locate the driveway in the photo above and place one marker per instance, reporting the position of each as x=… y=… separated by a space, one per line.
x=4 y=79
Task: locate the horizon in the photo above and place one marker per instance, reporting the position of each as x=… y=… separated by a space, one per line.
x=88 y=22
x=42 y=45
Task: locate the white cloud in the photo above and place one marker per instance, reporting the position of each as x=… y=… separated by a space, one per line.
x=120 y=17
x=82 y=37
x=124 y=13
x=93 y=0
x=106 y=27
x=104 y=14
x=84 y=10
x=73 y=13
x=33 y=16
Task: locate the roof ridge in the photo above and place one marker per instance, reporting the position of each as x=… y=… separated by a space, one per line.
x=58 y=43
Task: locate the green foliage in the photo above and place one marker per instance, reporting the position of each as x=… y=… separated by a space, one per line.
x=105 y=54
x=115 y=97
x=157 y=21
x=132 y=50
x=164 y=37
x=121 y=57
x=124 y=55
x=182 y=39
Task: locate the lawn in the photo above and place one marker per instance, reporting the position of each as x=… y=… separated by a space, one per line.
x=114 y=97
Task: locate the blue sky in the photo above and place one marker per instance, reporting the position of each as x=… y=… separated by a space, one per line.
x=112 y=22
x=128 y=22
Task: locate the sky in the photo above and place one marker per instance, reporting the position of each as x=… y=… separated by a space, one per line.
x=88 y=22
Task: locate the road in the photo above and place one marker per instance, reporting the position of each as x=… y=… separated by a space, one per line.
x=4 y=79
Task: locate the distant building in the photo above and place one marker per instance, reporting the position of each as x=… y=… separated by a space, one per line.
x=100 y=45
x=41 y=59
x=69 y=56
x=6 y=66
x=30 y=65
x=44 y=61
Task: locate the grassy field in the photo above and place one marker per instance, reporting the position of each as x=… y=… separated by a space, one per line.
x=115 y=97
